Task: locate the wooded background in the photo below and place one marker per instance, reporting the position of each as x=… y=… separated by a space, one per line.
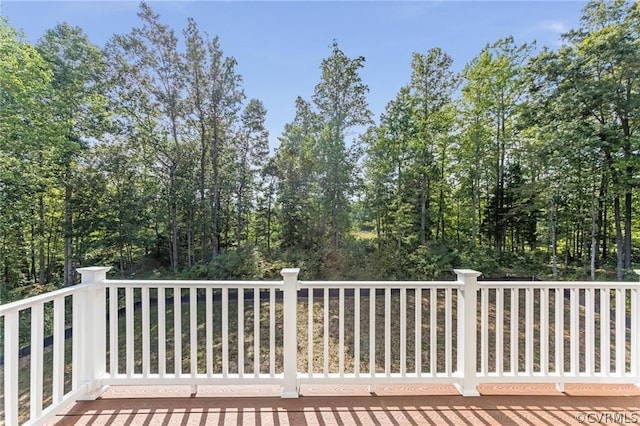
x=148 y=156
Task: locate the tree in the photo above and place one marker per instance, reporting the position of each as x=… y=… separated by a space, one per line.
x=389 y=156
x=297 y=188
x=432 y=86
x=252 y=147
x=150 y=72
x=78 y=68
x=215 y=99
x=29 y=147
x=340 y=98
x=263 y=223
x=492 y=82
x=472 y=169
x=592 y=84
x=607 y=79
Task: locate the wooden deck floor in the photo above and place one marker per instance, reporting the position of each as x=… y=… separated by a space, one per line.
x=353 y=405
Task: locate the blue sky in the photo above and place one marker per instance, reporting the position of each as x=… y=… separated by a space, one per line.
x=279 y=45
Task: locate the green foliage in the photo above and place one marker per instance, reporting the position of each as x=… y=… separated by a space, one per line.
x=148 y=156
x=481 y=258
x=233 y=265
x=28 y=155
x=433 y=262
x=341 y=103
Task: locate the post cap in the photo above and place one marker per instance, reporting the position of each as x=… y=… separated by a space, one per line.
x=93 y=273
x=289 y=271
x=94 y=269
x=472 y=273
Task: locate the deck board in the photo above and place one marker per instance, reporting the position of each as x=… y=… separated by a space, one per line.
x=353 y=405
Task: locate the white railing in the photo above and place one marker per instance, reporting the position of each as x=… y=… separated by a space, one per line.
x=392 y=325
x=180 y=332
x=291 y=332
x=68 y=366
x=566 y=332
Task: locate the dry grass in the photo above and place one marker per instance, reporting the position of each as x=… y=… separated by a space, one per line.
x=348 y=314
x=333 y=335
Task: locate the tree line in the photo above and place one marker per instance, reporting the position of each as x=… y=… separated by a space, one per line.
x=148 y=155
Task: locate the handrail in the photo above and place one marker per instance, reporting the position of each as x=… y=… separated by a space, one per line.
x=45 y=297
x=381 y=284
x=193 y=283
x=627 y=285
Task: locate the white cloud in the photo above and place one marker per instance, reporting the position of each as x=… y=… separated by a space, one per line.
x=557 y=27
x=548 y=33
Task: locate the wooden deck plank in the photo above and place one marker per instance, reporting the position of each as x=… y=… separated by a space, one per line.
x=353 y=405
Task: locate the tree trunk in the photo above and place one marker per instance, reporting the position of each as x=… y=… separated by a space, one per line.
x=500 y=234
x=173 y=219
x=594 y=235
x=215 y=222
x=567 y=249
x=242 y=186
x=458 y=224
x=474 y=217
x=378 y=229
x=399 y=198
x=424 y=207
x=628 y=211
x=629 y=170
x=203 y=195
x=215 y=212
x=269 y=221
x=599 y=223
x=239 y=216
x=440 y=227
x=190 y=254
x=42 y=276
x=604 y=227
x=68 y=231
x=619 y=242
x=554 y=240
x=31 y=263
x=334 y=222
x=225 y=240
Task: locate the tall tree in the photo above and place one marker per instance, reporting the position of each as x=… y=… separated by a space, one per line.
x=252 y=147
x=150 y=72
x=492 y=79
x=78 y=68
x=389 y=157
x=607 y=78
x=29 y=148
x=472 y=154
x=215 y=100
x=340 y=99
x=296 y=182
x=432 y=85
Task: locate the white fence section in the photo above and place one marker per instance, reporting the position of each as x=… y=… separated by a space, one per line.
x=193 y=332
x=51 y=376
x=560 y=333
x=291 y=332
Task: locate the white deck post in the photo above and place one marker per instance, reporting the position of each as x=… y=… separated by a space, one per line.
x=11 y=366
x=92 y=331
x=467 y=337
x=290 y=302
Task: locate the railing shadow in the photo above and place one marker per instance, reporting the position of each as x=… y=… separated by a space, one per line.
x=528 y=407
